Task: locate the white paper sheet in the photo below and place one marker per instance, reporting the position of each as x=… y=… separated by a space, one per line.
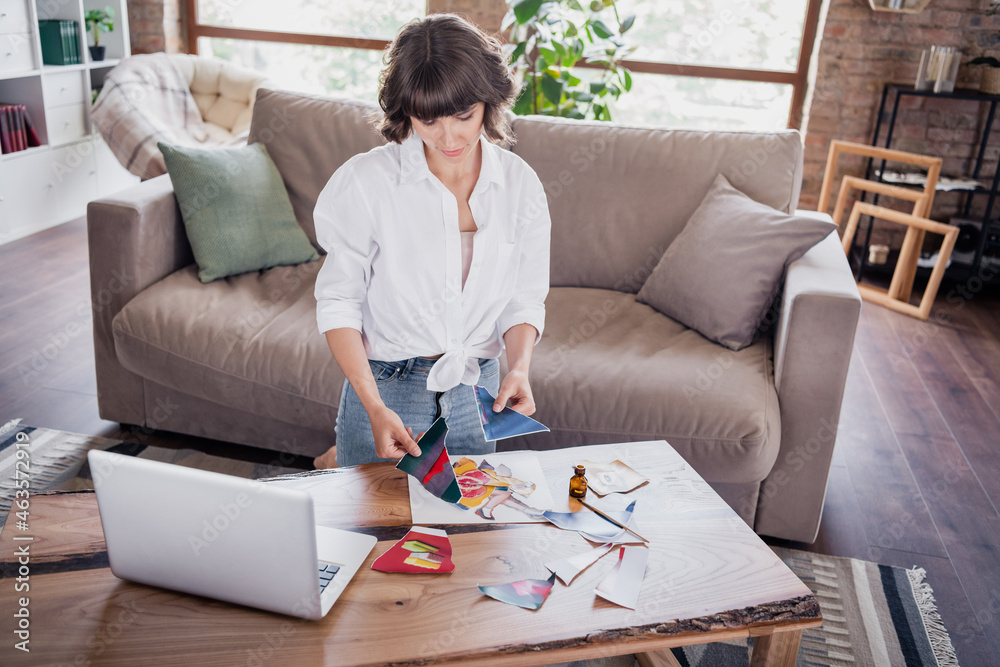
x=623 y=584
x=567 y=568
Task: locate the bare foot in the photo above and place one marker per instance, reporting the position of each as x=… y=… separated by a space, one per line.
x=328 y=460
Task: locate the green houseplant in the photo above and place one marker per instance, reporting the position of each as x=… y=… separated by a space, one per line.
x=548 y=37
x=98 y=21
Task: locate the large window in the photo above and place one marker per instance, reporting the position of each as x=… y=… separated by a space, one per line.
x=378 y=19
x=701 y=64
x=718 y=33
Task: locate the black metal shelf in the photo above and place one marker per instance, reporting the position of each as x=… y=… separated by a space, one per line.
x=959 y=271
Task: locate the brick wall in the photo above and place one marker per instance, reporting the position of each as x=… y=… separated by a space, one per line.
x=860 y=50
x=157 y=25
x=487 y=14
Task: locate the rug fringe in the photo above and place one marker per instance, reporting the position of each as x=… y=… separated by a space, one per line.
x=944 y=651
x=9 y=426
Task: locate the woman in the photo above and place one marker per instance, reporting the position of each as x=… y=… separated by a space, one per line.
x=438 y=252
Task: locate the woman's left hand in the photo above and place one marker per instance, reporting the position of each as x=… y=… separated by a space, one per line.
x=516 y=389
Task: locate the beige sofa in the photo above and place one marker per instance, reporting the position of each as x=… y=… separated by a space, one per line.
x=240 y=359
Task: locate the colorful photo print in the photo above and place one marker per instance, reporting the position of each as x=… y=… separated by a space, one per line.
x=527 y=593
x=486 y=487
x=497 y=488
x=432 y=469
x=421 y=551
x=504 y=424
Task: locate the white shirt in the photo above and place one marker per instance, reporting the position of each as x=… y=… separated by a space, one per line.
x=394 y=265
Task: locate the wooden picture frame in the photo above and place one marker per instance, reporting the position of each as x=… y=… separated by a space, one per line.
x=910 y=248
x=933 y=166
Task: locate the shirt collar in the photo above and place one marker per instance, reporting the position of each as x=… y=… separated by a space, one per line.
x=413 y=163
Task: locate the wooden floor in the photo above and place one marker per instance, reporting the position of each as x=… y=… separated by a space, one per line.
x=916 y=474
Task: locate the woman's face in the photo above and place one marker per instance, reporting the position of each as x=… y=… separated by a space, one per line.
x=452 y=137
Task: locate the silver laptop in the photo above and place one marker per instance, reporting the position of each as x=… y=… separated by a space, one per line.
x=223 y=537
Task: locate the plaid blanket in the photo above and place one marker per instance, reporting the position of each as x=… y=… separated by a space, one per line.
x=145 y=99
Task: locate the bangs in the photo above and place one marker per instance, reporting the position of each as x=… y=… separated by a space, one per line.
x=433 y=95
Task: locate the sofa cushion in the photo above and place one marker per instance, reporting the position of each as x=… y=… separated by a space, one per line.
x=247 y=342
x=610 y=369
x=235 y=210
x=619 y=195
x=721 y=274
x=309 y=137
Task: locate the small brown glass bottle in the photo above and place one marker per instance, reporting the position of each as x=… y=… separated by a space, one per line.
x=578 y=483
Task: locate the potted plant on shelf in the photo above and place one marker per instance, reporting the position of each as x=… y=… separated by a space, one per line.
x=98 y=21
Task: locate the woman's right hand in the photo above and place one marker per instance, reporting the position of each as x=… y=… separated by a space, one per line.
x=392 y=439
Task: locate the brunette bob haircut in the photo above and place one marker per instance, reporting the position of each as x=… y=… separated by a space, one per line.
x=441 y=65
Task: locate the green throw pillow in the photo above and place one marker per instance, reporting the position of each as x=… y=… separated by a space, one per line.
x=235 y=209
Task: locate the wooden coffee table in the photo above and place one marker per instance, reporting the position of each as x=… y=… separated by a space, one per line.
x=709 y=578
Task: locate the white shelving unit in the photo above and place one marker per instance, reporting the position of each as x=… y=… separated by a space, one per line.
x=51 y=184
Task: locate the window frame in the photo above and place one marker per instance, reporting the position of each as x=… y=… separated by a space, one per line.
x=798 y=79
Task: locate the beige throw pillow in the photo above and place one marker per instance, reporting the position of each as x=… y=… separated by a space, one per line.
x=723 y=271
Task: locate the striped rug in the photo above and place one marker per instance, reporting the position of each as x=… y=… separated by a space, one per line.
x=57 y=460
x=873 y=615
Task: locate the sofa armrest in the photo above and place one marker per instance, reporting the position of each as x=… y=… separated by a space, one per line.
x=813 y=343
x=135 y=238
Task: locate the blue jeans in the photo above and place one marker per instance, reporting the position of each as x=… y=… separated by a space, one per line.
x=403 y=388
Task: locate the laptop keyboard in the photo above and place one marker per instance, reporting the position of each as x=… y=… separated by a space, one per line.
x=326 y=573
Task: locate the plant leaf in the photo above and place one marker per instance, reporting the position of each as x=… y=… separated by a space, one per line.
x=522 y=107
x=626 y=24
x=525 y=9
x=517 y=51
x=508 y=20
x=628 y=79
x=602 y=30
x=551 y=88
x=596 y=87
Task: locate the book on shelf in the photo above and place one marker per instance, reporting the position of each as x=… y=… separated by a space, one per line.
x=5 y=145
x=67 y=45
x=60 y=41
x=31 y=134
x=74 y=41
x=17 y=132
